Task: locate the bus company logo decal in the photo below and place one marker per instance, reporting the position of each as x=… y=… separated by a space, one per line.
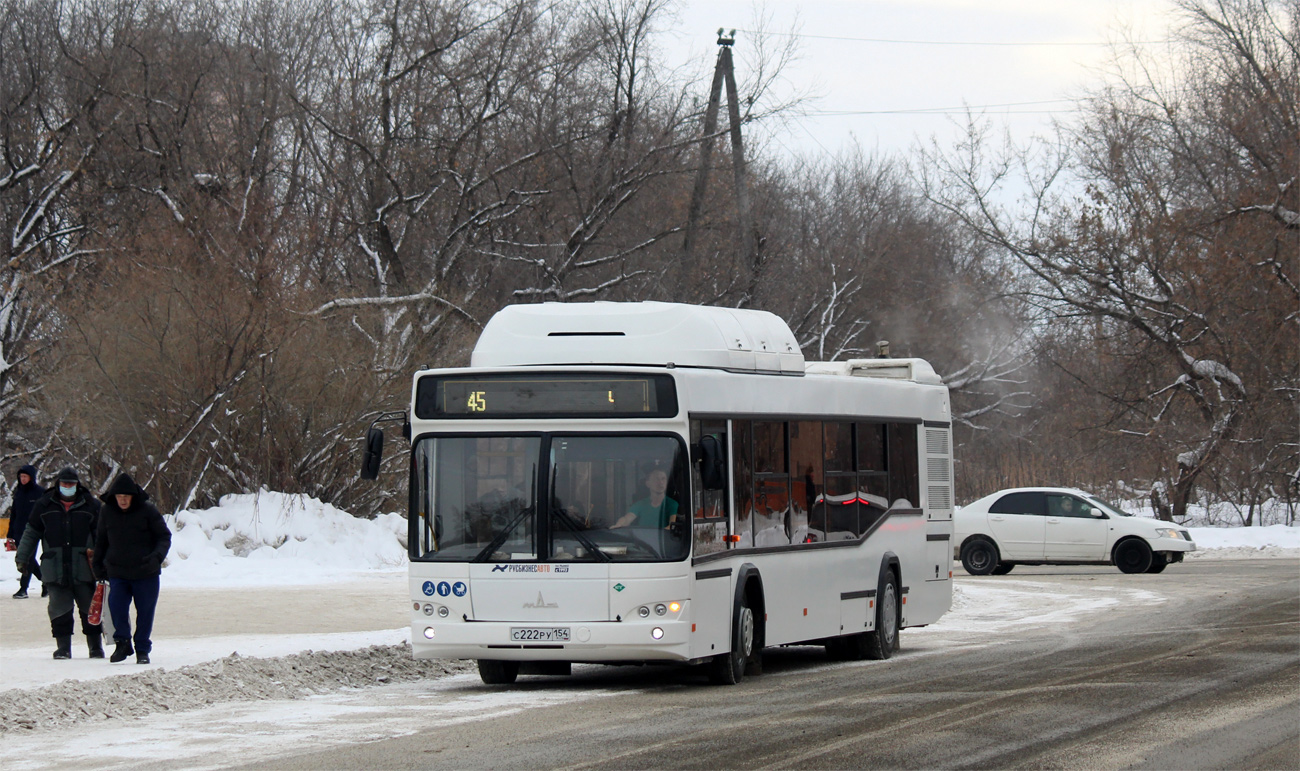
x=541 y=603
x=619 y=587
x=527 y=568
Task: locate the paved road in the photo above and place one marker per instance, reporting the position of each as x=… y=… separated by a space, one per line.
x=1208 y=679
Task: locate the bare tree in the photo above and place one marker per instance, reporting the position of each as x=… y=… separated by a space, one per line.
x=1184 y=227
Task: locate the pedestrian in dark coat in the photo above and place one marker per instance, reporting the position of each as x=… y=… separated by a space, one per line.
x=64 y=522
x=25 y=494
x=130 y=546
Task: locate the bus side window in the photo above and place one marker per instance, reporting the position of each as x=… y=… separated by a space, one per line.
x=771 y=521
x=837 y=501
x=808 y=520
x=873 y=474
x=709 y=507
x=904 y=475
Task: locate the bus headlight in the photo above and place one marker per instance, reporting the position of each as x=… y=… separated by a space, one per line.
x=428 y=609
x=428 y=633
x=443 y=611
x=661 y=609
x=657 y=633
x=643 y=611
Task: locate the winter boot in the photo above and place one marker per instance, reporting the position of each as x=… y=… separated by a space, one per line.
x=95 y=645
x=123 y=650
x=64 y=651
x=142 y=658
x=21 y=594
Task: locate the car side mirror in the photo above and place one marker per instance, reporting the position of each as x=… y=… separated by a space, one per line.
x=373 y=453
x=1096 y=512
x=713 y=463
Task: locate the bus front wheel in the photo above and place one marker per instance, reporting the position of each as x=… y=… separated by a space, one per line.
x=498 y=672
x=728 y=668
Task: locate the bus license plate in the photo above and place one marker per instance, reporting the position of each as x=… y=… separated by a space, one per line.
x=540 y=634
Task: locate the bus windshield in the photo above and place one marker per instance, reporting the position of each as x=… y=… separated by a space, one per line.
x=551 y=498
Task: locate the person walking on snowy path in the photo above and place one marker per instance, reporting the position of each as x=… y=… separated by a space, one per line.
x=64 y=522
x=130 y=546
x=27 y=491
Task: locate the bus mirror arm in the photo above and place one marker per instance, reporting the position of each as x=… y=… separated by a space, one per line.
x=373 y=453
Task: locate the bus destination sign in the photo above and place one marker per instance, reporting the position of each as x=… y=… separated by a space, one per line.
x=545 y=395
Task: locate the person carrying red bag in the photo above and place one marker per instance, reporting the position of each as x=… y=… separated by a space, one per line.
x=130 y=546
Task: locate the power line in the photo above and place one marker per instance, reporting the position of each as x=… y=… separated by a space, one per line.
x=961 y=110
x=990 y=44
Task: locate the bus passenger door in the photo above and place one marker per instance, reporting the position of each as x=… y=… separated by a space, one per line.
x=711 y=601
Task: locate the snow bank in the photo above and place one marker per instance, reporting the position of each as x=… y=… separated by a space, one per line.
x=268 y=538
x=1272 y=542
x=229 y=679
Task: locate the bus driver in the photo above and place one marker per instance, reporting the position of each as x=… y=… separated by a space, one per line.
x=657 y=510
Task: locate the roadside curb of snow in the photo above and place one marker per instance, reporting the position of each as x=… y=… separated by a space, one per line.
x=231 y=679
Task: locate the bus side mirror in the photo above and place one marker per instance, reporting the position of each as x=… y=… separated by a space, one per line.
x=373 y=453
x=713 y=463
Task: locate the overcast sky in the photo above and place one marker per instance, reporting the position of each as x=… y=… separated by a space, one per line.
x=885 y=83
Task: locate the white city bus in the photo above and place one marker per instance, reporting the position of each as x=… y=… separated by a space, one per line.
x=654 y=482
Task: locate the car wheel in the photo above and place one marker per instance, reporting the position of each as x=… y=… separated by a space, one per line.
x=1133 y=556
x=979 y=557
x=498 y=672
x=729 y=668
x=1158 y=563
x=1003 y=568
x=882 y=641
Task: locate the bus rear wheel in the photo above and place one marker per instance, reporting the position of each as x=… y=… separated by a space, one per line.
x=498 y=672
x=881 y=641
x=729 y=668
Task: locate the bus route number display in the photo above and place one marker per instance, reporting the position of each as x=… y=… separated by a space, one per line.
x=545 y=396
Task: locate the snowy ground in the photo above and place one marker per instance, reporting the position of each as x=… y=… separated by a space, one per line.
x=299 y=604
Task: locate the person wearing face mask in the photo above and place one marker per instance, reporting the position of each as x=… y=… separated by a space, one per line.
x=25 y=495
x=130 y=546
x=63 y=522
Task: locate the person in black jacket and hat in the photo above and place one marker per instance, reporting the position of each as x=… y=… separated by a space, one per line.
x=64 y=522
x=130 y=547
x=26 y=493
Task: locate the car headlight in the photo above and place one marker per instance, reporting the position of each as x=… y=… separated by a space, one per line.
x=1168 y=532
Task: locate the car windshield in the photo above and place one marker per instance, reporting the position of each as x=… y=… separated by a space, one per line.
x=1108 y=508
x=590 y=498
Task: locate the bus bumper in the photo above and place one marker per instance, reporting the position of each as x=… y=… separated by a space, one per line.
x=588 y=641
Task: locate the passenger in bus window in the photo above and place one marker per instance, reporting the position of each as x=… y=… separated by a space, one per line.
x=655 y=510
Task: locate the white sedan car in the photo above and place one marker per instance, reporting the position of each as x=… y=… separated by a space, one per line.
x=1060 y=526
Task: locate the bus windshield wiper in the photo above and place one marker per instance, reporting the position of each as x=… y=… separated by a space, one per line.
x=575 y=527
x=495 y=543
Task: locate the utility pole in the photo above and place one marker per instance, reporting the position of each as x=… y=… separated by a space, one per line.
x=723 y=73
